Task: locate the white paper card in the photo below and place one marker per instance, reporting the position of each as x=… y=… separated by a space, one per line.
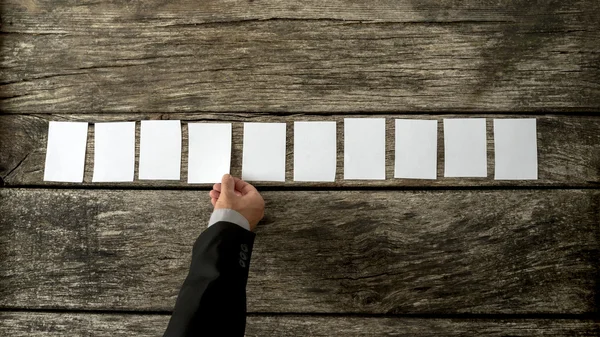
x=465 y=147
x=515 y=146
x=114 y=152
x=160 y=150
x=416 y=149
x=209 y=156
x=65 y=154
x=264 y=152
x=315 y=153
x=364 y=148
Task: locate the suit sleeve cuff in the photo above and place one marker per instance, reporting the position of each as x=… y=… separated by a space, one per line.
x=229 y=215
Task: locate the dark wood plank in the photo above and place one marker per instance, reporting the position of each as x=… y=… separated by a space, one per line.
x=569 y=150
x=316 y=252
x=102 y=57
x=34 y=324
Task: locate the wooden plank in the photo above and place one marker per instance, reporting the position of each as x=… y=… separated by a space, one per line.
x=38 y=324
x=568 y=150
x=370 y=252
x=539 y=62
x=59 y=16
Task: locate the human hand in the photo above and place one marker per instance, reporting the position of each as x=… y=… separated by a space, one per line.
x=240 y=196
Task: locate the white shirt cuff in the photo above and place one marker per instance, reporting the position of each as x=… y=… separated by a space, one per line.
x=229 y=215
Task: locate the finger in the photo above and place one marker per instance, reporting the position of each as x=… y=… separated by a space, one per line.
x=213 y=201
x=243 y=186
x=228 y=185
x=215 y=194
x=217 y=187
x=239 y=183
x=237 y=191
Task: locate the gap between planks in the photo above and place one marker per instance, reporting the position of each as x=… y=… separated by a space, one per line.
x=466 y=316
x=292 y=188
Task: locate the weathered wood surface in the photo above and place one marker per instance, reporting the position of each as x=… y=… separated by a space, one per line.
x=34 y=324
x=61 y=16
x=282 y=56
x=568 y=147
x=316 y=252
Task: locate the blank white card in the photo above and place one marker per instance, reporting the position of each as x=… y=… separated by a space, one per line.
x=465 y=147
x=364 y=148
x=65 y=154
x=160 y=150
x=264 y=152
x=315 y=154
x=209 y=156
x=416 y=149
x=515 y=148
x=114 y=152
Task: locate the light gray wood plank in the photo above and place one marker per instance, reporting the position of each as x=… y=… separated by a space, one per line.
x=124 y=60
x=512 y=252
x=39 y=324
x=568 y=150
x=61 y=16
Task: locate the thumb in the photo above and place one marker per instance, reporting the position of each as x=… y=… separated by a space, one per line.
x=227 y=185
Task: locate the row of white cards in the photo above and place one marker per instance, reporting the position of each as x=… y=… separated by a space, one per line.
x=315 y=150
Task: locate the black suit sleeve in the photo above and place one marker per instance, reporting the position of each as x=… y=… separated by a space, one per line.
x=212 y=300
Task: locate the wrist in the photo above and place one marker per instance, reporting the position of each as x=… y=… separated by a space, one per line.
x=229 y=215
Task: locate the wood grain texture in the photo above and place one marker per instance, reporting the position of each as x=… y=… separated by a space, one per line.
x=370 y=252
x=33 y=324
x=60 y=16
x=568 y=150
x=281 y=56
